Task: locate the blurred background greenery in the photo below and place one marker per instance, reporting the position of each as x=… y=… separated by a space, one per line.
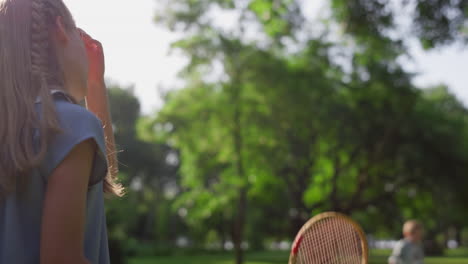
x=280 y=116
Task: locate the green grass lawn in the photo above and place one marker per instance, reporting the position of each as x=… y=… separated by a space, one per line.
x=456 y=257
x=378 y=257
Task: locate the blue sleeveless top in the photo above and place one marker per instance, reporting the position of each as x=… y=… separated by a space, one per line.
x=21 y=212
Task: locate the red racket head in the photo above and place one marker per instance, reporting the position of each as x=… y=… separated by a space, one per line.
x=330 y=238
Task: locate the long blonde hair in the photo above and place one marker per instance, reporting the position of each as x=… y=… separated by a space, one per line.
x=28 y=69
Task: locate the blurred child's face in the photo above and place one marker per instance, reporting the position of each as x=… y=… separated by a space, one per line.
x=416 y=236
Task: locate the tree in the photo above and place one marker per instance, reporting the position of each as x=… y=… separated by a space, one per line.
x=146 y=173
x=435 y=23
x=267 y=111
x=205 y=47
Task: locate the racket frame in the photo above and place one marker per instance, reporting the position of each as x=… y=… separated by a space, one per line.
x=320 y=217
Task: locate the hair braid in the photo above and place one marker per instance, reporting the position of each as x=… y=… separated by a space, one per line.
x=32 y=69
x=40 y=71
x=39 y=40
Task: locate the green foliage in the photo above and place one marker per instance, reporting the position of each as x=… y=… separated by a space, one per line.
x=144 y=170
x=330 y=145
x=436 y=22
x=277 y=18
x=270 y=133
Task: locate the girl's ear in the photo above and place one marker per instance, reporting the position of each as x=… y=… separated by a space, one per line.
x=60 y=31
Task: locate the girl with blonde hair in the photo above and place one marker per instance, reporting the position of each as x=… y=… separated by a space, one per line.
x=57 y=158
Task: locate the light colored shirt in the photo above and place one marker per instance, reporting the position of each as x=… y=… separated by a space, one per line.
x=406 y=252
x=21 y=212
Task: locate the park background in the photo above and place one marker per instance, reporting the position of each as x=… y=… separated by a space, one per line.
x=240 y=119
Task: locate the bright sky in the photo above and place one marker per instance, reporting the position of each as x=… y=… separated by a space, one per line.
x=137 y=50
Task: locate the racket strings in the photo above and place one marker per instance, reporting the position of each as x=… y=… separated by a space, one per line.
x=330 y=241
x=352 y=242
x=348 y=242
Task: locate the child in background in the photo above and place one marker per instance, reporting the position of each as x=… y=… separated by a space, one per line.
x=409 y=250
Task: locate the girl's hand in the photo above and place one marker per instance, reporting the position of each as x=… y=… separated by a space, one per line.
x=95 y=54
x=97 y=100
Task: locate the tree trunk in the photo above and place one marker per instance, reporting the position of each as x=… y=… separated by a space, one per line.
x=150 y=222
x=116 y=252
x=446 y=237
x=239 y=224
x=458 y=235
x=239 y=221
x=296 y=224
x=223 y=240
x=432 y=248
x=240 y=217
x=221 y=230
